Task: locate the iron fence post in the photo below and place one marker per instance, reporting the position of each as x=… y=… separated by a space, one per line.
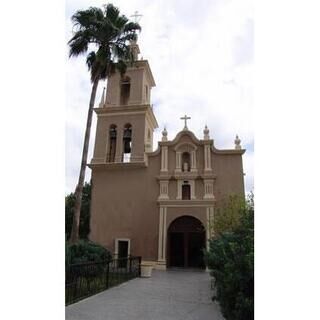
x=139 y=266
x=107 y=275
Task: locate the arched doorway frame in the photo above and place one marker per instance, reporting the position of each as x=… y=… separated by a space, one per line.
x=187 y=236
x=166 y=217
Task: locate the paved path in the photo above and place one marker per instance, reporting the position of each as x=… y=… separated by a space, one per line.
x=167 y=295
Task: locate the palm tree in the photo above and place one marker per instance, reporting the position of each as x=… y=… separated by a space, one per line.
x=108 y=34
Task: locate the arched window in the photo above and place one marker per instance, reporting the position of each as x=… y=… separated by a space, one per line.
x=112 y=143
x=186 y=161
x=186 y=191
x=125 y=90
x=127 y=142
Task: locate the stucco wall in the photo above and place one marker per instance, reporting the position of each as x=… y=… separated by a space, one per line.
x=124 y=198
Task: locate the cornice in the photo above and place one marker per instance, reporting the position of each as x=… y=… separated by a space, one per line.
x=187 y=176
x=186 y=203
x=228 y=151
x=117 y=165
x=128 y=109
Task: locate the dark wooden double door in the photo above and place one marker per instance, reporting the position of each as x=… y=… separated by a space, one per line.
x=186 y=241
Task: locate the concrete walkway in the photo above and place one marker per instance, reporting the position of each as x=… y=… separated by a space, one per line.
x=167 y=295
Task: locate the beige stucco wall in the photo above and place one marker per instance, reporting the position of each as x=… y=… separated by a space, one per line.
x=124 y=197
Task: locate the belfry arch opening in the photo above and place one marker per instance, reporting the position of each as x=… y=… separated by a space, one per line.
x=112 y=143
x=127 y=143
x=186 y=241
x=125 y=87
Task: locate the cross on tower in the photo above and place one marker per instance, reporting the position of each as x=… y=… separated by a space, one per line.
x=185 y=118
x=136 y=16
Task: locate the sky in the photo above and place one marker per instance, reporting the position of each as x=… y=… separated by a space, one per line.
x=201 y=56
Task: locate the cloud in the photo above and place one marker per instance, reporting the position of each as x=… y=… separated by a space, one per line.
x=201 y=55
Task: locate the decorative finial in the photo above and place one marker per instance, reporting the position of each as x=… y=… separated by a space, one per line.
x=101 y=105
x=206 y=133
x=164 y=134
x=185 y=118
x=237 y=143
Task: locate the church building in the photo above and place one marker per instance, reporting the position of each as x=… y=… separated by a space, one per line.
x=160 y=204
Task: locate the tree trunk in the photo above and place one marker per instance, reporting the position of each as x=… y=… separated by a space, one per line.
x=74 y=237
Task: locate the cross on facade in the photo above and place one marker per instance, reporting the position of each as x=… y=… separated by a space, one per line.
x=185 y=118
x=136 y=16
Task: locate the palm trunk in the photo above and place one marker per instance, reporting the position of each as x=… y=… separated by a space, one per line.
x=74 y=237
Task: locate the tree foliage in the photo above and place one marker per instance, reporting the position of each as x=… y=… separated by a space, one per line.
x=228 y=214
x=84 y=227
x=108 y=33
x=230 y=259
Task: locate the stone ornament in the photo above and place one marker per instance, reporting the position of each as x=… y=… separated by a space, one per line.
x=237 y=142
x=164 y=134
x=206 y=133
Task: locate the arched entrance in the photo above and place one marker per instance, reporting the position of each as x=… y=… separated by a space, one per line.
x=186 y=240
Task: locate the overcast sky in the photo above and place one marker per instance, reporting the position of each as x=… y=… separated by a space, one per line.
x=201 y=56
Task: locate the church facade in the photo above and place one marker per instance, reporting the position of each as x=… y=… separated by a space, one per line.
x=156 y=204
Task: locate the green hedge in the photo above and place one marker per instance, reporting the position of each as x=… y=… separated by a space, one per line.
x=231 y=261
x=86 y=251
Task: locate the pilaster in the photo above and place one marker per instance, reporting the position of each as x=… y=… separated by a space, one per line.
x=164 y=159
x=164 y=190
x=208 y=189
x=194 y=161
x=207 y=158
x=162 y=240
x=178 y=161
x=119 y=148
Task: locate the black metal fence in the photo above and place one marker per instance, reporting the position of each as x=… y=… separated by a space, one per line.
x=86 y=279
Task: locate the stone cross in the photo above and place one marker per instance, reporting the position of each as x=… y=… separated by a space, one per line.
x=185 y=118
x=136 y=16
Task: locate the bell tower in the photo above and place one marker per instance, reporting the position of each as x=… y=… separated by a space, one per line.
x=126 y=121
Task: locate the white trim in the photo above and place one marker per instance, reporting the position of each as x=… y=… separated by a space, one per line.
x=116 y=249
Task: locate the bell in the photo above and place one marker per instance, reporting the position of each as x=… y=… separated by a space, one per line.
x=113 y=134
x=127 y=133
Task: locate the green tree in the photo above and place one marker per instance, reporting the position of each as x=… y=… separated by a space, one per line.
x=230 y=259
x=229 y=212
x=107 y=33
x=84 y=227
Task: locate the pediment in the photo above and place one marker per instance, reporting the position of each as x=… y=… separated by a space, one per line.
x=185 y=138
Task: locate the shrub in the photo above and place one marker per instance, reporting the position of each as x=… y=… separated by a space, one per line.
x=230 y=259
x=86 y=251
